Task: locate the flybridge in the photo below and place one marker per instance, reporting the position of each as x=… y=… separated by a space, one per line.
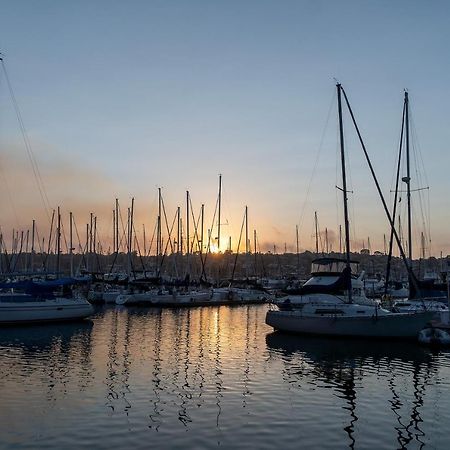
x=332 y=265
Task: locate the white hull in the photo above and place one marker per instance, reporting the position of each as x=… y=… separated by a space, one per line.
x=239 y=296
x=166 y=299
x=110 y=296
x=219 y=296
x=381 y=326
x=58 y=309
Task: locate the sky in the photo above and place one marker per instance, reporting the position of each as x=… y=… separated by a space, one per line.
x=120 y=98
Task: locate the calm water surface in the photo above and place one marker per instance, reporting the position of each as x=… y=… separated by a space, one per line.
x=214 y=377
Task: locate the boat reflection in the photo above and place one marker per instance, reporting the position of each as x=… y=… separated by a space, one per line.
x=42 y=338
x=342 y=364
x=55 y=353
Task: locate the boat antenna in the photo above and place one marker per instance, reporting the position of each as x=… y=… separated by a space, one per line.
x=344 y=192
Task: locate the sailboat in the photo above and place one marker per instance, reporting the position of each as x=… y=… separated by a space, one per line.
x=32 y=301
x=322 y=312
x=29 y=301
x=428 y=291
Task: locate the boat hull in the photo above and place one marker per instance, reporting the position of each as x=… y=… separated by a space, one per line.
x=217 y=297
x=54 y=310
x=405 y=326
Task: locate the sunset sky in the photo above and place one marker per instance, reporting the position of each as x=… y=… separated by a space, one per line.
x=120 y=98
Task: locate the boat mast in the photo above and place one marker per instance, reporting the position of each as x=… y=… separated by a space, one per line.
x=71 y=242
x=201 y=231
x=158 y=232
x=407 y=179
x=220 y=205
x=187 y=234
x=90 y=233
x=317 y=233
x=128 y=243
x=344 y=190
x=26 y=251
x=117 y=226
x=145 y=241
x=130 y=236
x=178 y=229
x=94 y=245
x=255 y=251
x=246 y=231
x=33 y=232
x=58 y=243
x=380 y=193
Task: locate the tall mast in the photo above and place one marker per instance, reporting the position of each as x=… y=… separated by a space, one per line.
x=114 y=230
x=128 y=243
x=181 y=235
x=158 y=233
x=246 y=230
x=87 y=246
x=26 y=251
x=58 y=245
x=188 y=239
x=33 y=232
x=187 y=228
x=344 y=189
x=317 y=232
x=71 y=242
x=143 y=237
x=255 y=251
x=407 y=180
x=297 y=249
x=90 y=233
x=201 y=231
x=117 y=226
x=94 y=245
x=178 y=229
x=130 y=235
x=220 y=205
x=423 y=244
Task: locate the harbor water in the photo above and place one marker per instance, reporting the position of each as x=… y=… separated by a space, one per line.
x=214 y=377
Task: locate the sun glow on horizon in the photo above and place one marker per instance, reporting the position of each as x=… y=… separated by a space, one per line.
x=214 y=248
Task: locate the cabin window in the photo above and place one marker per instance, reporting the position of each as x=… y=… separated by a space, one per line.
x=329 y=311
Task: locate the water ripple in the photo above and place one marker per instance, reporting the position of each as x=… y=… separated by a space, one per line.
x=208 y=377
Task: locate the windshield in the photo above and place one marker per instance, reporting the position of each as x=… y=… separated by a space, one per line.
x=332 y=267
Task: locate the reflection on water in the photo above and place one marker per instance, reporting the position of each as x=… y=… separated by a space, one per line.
x=341 y=363
x=208 y=377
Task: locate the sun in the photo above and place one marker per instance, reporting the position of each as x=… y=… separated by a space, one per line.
x=213 y=248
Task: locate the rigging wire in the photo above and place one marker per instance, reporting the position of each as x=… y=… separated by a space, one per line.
x=316 y=163
x=422 y=184
x=30 y=153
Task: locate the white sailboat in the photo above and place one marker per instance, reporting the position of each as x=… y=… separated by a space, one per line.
x=324 y=311
x=20 y=305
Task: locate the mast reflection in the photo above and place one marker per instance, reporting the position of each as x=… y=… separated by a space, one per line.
x=341 y=364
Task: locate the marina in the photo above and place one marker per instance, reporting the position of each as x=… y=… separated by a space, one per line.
x=224 y=225
x=214 y=377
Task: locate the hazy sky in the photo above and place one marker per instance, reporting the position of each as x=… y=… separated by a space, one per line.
x=119 y=98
